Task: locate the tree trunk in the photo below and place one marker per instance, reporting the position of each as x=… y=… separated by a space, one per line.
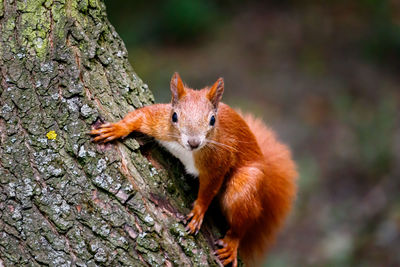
x=63 y=199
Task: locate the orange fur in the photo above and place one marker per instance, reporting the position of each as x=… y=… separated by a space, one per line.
x=241 y=160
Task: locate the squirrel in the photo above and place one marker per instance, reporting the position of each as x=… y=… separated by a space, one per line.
x=234 y=155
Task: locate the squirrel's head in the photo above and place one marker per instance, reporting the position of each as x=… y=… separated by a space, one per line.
x=194 y=112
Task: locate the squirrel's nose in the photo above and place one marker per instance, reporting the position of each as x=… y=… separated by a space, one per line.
x=194 y=143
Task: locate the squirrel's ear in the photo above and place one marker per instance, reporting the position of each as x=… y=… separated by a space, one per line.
x=215 y=92
x=177 y=88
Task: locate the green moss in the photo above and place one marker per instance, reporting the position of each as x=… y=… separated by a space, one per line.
x=48 y=3
x=78 y=239
x=126 y=259
x=154 y=259
x=83 y=5
x=10 y=25
x=145 y=242
x=35 y=28
x=59 y=18
x=1 y=8
x=93 y=3
x=29 y=5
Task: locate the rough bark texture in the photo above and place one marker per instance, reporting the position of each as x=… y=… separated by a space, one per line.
x=63 y=199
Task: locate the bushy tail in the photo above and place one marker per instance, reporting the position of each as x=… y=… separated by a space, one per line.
x=278 y=192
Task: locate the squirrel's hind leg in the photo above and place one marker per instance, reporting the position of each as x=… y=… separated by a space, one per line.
x=242 y=207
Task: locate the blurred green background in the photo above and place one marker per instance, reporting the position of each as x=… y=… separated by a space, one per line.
x=325 y=76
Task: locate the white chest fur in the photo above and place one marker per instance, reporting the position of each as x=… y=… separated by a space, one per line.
x=184 y=155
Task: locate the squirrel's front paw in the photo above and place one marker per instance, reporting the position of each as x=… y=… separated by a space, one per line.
x=195 y=218
x=109 y=131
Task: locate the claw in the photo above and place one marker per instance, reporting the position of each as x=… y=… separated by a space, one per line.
x=220 y=243
x=228 y=253
x=189 y=216
x=108 y=139
x=198 y=225
x=105 y=130
x=195 y=219
x=108 y=132
x=98 y=138
x=222 y=250
x=229 y=260
x=223 y=256
x=94 y=132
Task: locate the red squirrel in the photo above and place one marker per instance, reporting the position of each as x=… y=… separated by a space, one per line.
x=232 y=154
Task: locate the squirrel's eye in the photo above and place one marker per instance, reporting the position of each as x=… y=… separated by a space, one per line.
x=212 y=120
x=174 y=117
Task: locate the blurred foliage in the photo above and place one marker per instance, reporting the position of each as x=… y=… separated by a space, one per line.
x=383 y=40
x=182 y=21
x=324 y=75
x=162 y=21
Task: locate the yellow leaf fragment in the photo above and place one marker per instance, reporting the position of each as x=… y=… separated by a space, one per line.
x=51 y=135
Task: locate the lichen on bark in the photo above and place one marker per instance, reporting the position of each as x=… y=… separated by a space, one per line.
x=63 y=199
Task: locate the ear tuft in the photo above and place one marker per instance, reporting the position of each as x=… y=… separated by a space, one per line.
x=215 y=92
x=177 y=88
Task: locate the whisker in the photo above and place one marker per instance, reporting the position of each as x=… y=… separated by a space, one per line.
x=229 y=148
x=217 y=148
x=173 y=135
x=247 y=142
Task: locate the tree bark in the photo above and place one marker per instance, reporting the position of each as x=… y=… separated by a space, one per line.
x=65 y=201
